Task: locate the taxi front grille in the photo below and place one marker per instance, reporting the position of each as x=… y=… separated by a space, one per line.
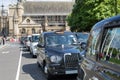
x=71 y=60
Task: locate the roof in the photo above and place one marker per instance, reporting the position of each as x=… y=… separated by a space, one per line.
x=47 y=7
x=106 y=21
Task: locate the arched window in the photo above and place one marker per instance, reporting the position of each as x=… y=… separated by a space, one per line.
x=28 y=20
x=23 y=31
x=20 y=30
x=33 y=30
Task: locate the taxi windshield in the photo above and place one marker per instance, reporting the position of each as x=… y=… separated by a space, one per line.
x=54 y=40
x=82 y=37
x=35 y=38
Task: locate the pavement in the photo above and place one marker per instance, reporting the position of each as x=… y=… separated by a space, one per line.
x=7 y=43
x=112 y=66
x=2 y=46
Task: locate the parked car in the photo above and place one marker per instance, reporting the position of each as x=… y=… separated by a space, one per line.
x=102 y=61
x=82 y=37
x=33 y=44
x=22 y=39
x=27 y=42
x=58 y=53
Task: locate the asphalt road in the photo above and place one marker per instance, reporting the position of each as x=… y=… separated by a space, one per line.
x=9 y=56
x=16 y=63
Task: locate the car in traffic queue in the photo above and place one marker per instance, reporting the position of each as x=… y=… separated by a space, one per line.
x=22 y=39
x=33 y=44
x=58 y=53
x=27 y=42
x=103 y=48
x=82 y=37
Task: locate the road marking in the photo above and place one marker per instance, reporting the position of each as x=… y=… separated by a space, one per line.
x=5 y=52
x=19 y=65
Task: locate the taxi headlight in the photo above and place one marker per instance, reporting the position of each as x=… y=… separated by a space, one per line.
x=55 y=59
x=34 y=49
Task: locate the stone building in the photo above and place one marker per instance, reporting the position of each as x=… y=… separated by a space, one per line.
x=30 y=17
x=4 y=22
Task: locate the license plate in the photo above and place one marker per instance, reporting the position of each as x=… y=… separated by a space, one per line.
x=71 y=72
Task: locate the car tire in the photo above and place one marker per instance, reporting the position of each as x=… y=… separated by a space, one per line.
x=47 y=74
x=33 y=56
x=38 y=64
x=30 y=51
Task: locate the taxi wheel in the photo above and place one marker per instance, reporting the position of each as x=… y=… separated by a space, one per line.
x=38 y=64
x=47 y=74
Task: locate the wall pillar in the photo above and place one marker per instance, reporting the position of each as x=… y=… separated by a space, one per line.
x=16 y=29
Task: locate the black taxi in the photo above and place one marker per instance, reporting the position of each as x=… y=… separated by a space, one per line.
x=58 y=53
x=102 y=61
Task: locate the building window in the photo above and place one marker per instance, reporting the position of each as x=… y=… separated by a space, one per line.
x=23 y=31
x=28 y=20
x=27 y=31
x=49 y=18
x=33 y=30
x=20 y=30
x=53 y=18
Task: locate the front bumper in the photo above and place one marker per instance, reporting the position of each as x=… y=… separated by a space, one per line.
x=57 y=69
x=34 y=51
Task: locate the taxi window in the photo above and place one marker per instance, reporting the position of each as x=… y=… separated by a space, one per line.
x=92 y=42
x=111 y=43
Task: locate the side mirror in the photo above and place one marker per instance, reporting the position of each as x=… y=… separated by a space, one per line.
x=83 y=45
x=40 y=46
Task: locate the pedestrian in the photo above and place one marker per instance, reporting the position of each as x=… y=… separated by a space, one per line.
x=97 y=57
x=3 y=40
x=0 y=40
x=108 y=57
x=100 y=56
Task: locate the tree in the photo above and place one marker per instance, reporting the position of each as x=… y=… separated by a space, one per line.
x=86 y=13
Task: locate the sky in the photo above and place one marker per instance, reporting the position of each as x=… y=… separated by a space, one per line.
x=7 y=2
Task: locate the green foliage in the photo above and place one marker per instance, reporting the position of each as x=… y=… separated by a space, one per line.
x=114 y=60
x=114 y=51
x=86 y=13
